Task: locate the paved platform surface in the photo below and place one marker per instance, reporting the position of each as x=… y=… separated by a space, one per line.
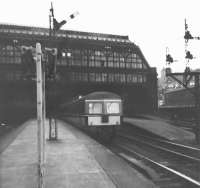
x=161 y=128
x=73 y=161
x=18 y=162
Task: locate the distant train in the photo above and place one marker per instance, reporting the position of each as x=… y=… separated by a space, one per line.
x=179 y=102
x=98 y=112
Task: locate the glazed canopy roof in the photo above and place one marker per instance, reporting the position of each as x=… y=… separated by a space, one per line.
x=39 y=31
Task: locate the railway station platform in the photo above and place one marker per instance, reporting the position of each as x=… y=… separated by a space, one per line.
x=74 y=160
x=161 y=128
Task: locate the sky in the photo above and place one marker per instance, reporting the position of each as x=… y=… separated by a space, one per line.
x=154 y=25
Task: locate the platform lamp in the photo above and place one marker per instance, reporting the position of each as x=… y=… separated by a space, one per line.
x=187 y=76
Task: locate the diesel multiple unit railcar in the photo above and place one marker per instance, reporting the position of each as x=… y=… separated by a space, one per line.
x=100 y=112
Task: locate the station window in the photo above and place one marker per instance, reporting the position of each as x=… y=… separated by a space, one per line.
x=116 y=59
x=97 y=63
x=129 y=78
x=110 y=61
x=91 y=58
x=91 y=63
x=134 y=65
x=97 y=53
x=111 y=77
x=134 y=61
x=63 y=61
x=74 y=57
x=77 y=57
x=10 y=54
x=104 y=77
x=100 y=59
x=122 y=78
x=77 y=76
x=116 y=64
x=117 y=77
x=98 y=77
x=16 y=75
x=139 y=65
x=84 y=77
x=144 y=78
x=122 y=65
x=132 y=78
x=67 y=59
x=128 y=65
x=30 y=32
x=121 y=61
x=92 y=77
x=72 y=76
x=110 y=64
x=138 y=60
x=84 y=58
x=140 y=78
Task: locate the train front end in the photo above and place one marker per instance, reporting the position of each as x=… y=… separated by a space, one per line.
x=103 y=112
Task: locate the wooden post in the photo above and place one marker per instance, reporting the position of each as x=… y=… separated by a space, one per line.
x=40 y=115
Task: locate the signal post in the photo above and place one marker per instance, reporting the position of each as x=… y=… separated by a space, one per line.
x=187 y=76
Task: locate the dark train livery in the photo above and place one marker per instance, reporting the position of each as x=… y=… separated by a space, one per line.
x=99 y=111
x=179 y=98
x=179 y=102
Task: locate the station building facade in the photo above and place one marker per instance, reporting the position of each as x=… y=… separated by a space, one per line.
x=85 y=62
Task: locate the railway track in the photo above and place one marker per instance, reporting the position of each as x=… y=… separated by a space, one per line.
x=176 y=165
x=185 y=124
x=184 y=151
x=179 y=169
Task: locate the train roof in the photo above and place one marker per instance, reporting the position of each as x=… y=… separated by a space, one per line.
x=101 y=95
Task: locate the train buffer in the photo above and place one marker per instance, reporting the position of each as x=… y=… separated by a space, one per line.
x=73 y=160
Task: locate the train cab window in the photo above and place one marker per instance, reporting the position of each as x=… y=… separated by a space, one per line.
x=95 y=108
x=112 y=108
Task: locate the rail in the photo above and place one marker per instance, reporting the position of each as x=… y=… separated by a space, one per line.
x=144 y=140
